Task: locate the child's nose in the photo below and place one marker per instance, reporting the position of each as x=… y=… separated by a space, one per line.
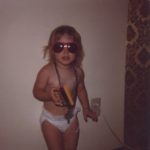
x=66 y=50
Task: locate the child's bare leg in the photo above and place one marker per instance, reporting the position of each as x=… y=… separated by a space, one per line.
x=53 y=136
x=71 y=136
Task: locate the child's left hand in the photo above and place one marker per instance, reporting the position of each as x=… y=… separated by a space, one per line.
x=88 y=113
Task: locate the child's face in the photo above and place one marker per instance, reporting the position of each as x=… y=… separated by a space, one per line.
x=68 y=53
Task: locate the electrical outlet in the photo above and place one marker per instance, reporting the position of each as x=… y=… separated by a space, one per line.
x=95 y=105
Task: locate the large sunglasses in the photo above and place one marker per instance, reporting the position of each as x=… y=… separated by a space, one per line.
x=59 y=47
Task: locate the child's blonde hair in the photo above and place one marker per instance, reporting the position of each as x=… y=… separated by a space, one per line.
x=56 y=34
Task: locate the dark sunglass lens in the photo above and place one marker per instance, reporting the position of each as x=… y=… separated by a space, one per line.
x=72 y=47
x=58 y=47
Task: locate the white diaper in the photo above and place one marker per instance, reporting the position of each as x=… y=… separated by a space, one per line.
x=58 y=121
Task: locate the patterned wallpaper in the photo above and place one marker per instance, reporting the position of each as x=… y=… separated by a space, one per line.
x=137 y=80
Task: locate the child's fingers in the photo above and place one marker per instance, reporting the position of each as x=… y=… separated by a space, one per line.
x=85 y=117
x=95 y=118
x=56 y=96
x=92 y=115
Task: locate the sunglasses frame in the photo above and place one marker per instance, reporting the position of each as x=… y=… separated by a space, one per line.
x=59 y=47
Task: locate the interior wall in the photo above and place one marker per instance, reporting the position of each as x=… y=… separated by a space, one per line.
x=25 y=27
x=137 y=82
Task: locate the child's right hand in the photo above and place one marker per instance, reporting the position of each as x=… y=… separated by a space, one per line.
x=56 y=96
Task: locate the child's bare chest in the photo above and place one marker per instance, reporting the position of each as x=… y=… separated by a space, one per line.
x=58 y=79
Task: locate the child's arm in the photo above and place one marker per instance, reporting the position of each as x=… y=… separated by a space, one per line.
x=39 y=89
x=83 y=98
x=42 y=92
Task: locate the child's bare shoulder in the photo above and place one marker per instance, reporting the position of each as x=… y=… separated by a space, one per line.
x=45 y=70
x=80 y=72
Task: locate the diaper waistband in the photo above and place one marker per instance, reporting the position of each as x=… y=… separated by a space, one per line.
x=58 y=117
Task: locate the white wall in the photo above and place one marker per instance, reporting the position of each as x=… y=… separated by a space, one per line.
x=25 y=26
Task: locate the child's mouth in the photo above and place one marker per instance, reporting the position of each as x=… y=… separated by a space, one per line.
x=65 y=58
